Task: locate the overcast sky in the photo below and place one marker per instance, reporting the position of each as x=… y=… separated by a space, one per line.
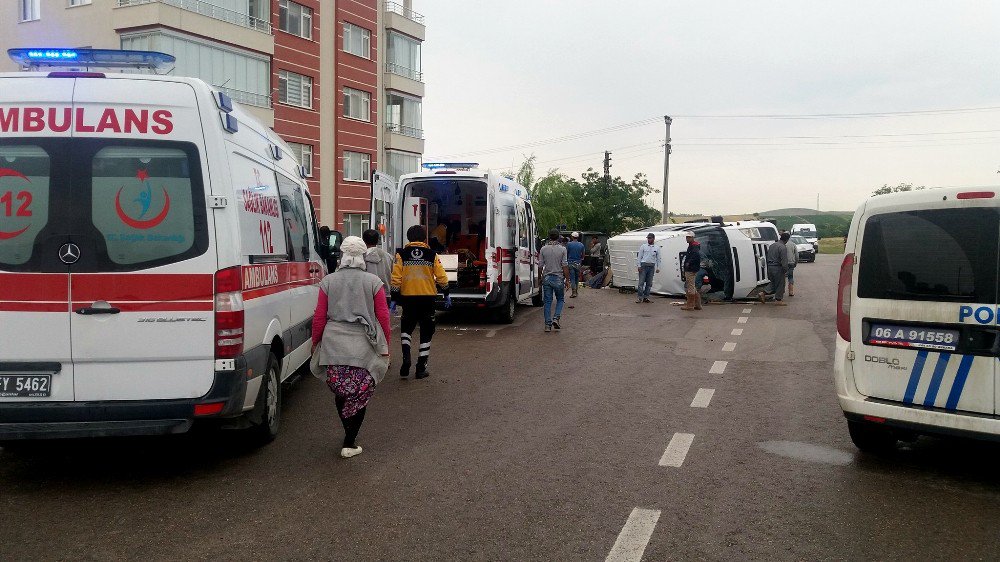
x=515 y=72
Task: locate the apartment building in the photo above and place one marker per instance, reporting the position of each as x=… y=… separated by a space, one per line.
x=339 y=80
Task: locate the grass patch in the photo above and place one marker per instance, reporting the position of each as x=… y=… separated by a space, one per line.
x=831 y=245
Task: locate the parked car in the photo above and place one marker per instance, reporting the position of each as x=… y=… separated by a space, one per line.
x=806 y=251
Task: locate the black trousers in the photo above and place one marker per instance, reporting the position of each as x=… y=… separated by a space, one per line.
x=417 y=311
x=352 y=425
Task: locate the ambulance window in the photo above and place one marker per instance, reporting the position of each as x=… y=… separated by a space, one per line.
x=142 y=203
x=24 y=200
x=943 y=254
x=293 y=214
x=522 y=229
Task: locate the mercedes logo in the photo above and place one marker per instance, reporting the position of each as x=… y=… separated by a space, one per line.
x=69 y=253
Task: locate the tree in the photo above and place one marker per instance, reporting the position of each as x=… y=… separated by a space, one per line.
x=617 y=205
x=886 y=188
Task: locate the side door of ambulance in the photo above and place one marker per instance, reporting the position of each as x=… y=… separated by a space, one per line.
x=142 y=320
x=35 y=353
x=532 y=249
x=383 y=206
x=522 y=256
x=923 y=274
x=302 y=273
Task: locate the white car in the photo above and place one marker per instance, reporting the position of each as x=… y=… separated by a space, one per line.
x=803 y=249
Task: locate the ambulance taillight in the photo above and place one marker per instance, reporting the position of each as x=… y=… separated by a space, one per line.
x=229 y=313
x=844 y=288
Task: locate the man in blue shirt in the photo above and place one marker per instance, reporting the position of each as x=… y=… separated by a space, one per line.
x=574 y=256
x=647 y=261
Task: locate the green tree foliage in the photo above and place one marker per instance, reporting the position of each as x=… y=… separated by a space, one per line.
x=617 y=205
x=886 y=188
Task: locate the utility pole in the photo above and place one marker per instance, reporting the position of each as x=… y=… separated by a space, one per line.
x=817 y=202
x=607 y=172
x=666 y=168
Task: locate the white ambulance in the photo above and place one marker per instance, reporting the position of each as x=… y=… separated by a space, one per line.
x=917 y=318
x=482 y=225
x=158 y=255
x=733 y=252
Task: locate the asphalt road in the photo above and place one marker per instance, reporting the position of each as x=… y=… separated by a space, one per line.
x=524 y=445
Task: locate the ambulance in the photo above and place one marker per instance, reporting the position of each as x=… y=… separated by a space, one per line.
x=482 y=225
x=917 y=318
x=734 y=253
x=159 y=260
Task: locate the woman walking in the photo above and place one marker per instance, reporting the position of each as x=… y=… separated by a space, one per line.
x=350 y=335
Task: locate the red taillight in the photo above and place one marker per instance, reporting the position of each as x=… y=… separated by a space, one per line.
x=76 y=75
x=228 y=313
x=875 y=419
x=976 y=195
x=482 y=279
x=209 y=409
x=844 y=289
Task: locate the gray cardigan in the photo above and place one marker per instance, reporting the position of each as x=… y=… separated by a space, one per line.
x=353 y=335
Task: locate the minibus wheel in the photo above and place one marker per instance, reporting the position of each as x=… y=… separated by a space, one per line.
x=267 y=419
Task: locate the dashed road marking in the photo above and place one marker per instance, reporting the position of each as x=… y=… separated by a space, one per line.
x=743 y=319
x=718 y=367
x=747 y=310
x=703 y=398
x=677 y=450
x=634 y=536
x=737 y=331
x=729 y=346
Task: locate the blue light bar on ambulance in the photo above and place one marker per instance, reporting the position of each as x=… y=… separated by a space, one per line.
x=449 y=165
x=104 y=58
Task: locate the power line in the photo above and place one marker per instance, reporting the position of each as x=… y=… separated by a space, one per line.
x=806 y=137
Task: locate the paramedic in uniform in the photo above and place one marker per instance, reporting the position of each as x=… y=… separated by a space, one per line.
x=417 y=275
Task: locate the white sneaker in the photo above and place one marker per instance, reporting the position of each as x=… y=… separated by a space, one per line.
x=348 y=452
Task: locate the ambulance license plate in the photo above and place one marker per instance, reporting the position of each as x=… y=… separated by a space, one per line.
x=919 y=337
x=25 y=386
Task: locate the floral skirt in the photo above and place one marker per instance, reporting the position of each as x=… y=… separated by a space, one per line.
x=353 y=387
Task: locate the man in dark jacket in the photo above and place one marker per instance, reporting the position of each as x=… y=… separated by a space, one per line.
x=777 y=269
x=690 y=267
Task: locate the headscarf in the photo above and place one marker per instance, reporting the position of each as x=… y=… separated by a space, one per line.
x=353 y=252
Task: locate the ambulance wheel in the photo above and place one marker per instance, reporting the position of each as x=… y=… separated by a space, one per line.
x=871 y=438
x=265 y=422
x=506 y=314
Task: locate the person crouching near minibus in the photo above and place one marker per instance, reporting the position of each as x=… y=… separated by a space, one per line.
x=690 y=267
x=351 y=334
x=417 y=275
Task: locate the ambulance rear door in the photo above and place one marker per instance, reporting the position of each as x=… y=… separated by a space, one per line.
x=35 y=354
x=923 y=314
x=384 y=194
x=142 y=301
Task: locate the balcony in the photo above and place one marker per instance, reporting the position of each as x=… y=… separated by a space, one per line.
x=209 y=10
x=408 y=139
x=405 y=131
x=248 y=98
x=397 y=8
x=399 y=70
x=403 y=79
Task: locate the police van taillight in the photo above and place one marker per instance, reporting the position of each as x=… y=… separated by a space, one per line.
x=844 y=288
x=228 y=313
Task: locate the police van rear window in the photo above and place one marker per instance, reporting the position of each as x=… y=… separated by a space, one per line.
x=933 y=255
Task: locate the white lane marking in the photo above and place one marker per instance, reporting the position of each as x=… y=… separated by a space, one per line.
x=747 y=310
x=737 y=331
x=703 y=398
x=677 y=449
x=718 y=367
x=632 y=540
x=742 y=319
x=729 y=346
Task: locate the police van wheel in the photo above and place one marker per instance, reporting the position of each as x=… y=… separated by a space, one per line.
x=267 y=419
x=871 y=438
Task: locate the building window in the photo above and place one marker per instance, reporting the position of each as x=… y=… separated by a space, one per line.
x=304 y=154
x=355 y=223
x=403 y=115
x=78 y=3
x=244 y=75
x=404 y=57
x=357 y=166
x=357 y=104
x=30 y=10
x=295 y=89
x=295 y=18
x=357 y=40
x=399 y=163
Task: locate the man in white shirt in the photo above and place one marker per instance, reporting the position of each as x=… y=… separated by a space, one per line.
x=647 y=262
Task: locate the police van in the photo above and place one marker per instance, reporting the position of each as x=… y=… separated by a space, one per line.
x=917 y=326
x=159 y=260
x=733 y=252
x=481 y=224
